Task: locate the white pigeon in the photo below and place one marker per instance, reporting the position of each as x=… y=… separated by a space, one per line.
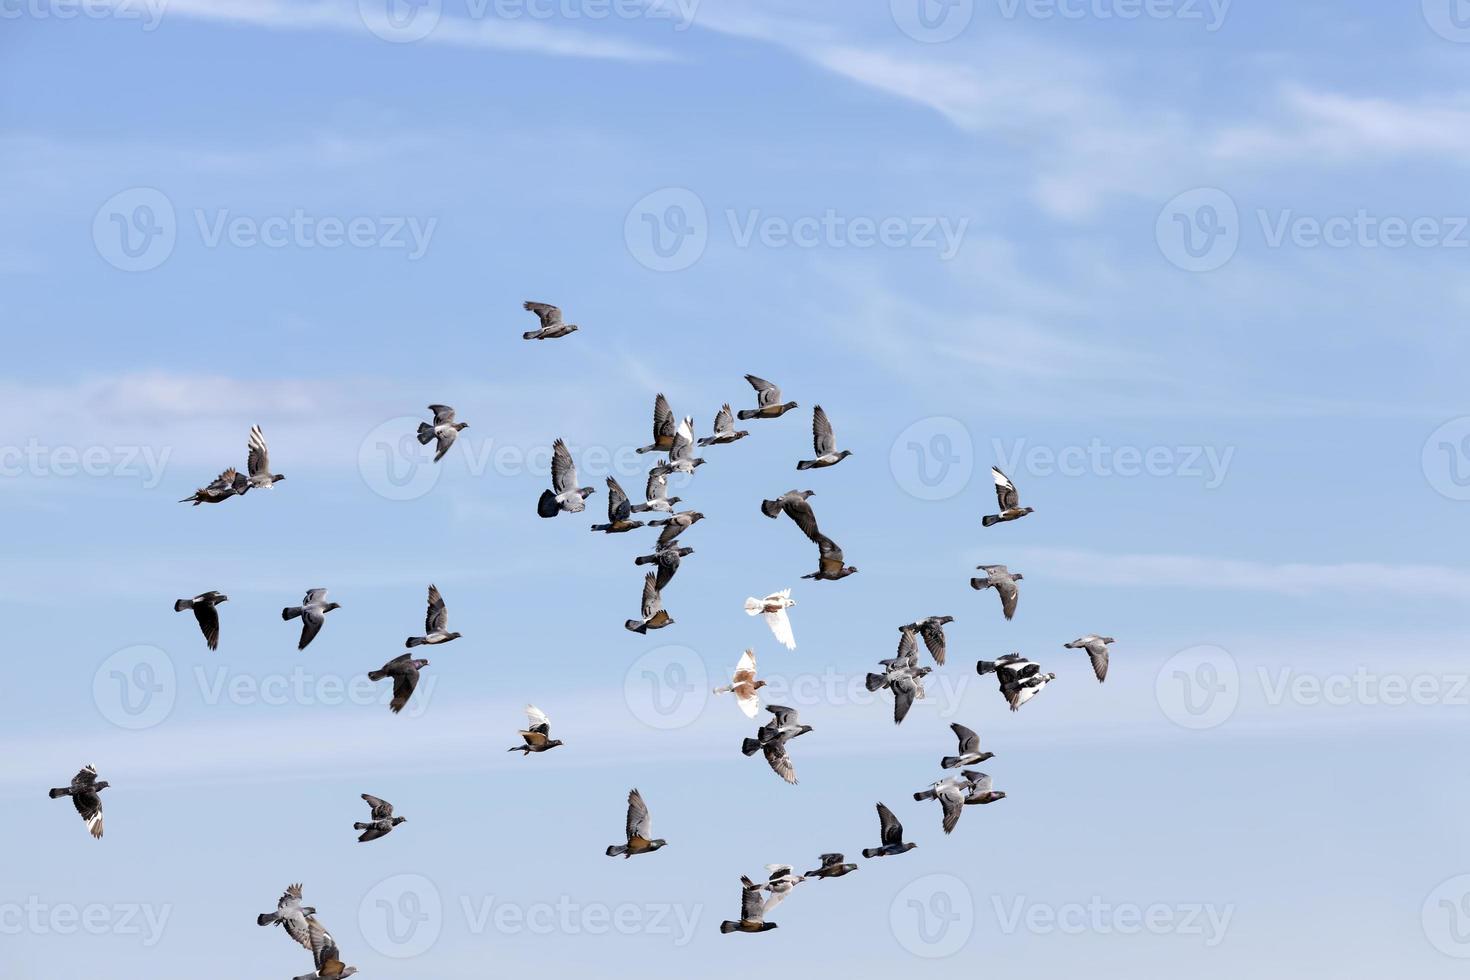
x=774 y=607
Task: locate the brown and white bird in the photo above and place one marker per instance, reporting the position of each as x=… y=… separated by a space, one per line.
x=773 y=607
x=442 y=431
x=1097 y=649
x=537 y=733
x=551 y=322
x=436 y=623
x=639 y=830
x=767 y=399
x=743 y=684
x=404 y=671
x=205 y=614
x=383 y=821
x=1003 y=580
x=84 y=792
x=824 y=444
x=655 y=617
x=1008 y=498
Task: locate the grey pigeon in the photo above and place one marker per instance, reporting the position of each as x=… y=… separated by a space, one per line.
x=208 y=617
x=681 y=457
x=324 y=954
x=906 y=660
x=551 y=322
x=1097 y=649
x=832 y=867
x=752 y=911
x=793 y=503
x=823 y=443
x=443 y=429
x=830 y=565
x=436 y=623
x=228 y=484
x=564 y=494
x=404 y=670
x=1003 y=580
x=382 y=822
x=85 y=795
x=675 y=525
x=312 y=612
x=537 y=733
x=980 y=791
x=655 y=617
x=771 y=738
x=667 y=560
x=891 y=835
x=767 y=399
x=291 y=916
x=619 y=510
x=1020 y=679
x=259 y=463
x=932 y=631
x=1008 y=498
x=639 y=830
x=664 y=427
x=725 y=430
x=950 y=792
x=657 y=494
x=970 y=754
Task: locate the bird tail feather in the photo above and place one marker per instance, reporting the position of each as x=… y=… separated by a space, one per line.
x=181 y=604
x=376 y=675
x=872 y=851
x=746 y=413
x=951 y=762
x=874 y=682
x=547 y=505
x=750 y=746
x=771 y=508
x=806 y=464
x=728 y=927
x=989 y=519
x=291 y=612
x=927 y=794
x=985 y=667
x=613 y=850
x=530 y=335
x=426 y=433
x=753 y=606
x=64 y=791
x=265 y=919
x=414 y=641
x=637 y=626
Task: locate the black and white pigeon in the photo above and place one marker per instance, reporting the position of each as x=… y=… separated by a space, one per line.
x=667 y=560
x=312 y=613
x=208 y=617
x=324 y=954
x=767 y=399
x=771 y=739
x=725 y=430
x=537 y=733
x=890 y=833
x=1020 y=679
x=564 y=494
x=980 y=789
x=639 y=830
x=551 y=322
x=436 y=623
x=85 y=792
x=1097 y=649
x=404 y=670
x=780 y=882
x=931 y=630
x=291 y=916
x=1003 y=580
x=258 y=462
x=950 y=792
x=675 y=525
x=663 y=427
x=824 y=444
x=681 y=458
x=752 y=911
x=655 y=617
x=443 y=428
x=228 y=484
x=657 y=494
x=1008 y=498
x=382 y=819
x=970 y=754
x=832 y=867
x=619 y=511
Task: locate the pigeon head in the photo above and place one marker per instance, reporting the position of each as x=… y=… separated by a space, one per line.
x=788 y=406
x=452 y=636
x=695 y=517
x=686 y=552
x=224 y=598
x=399 y=820
x=803 y=729
x=674 y=500
x=758 y=685
x=984 y=755
x=944 y=620
x=332 y=605
x=1028 y=510
x=654 y=845
x=1017 y=577
x=420 y=664
x=461 y=425
x=100 y=786
x=586 y=491
x=844 y=454
x=553 y=743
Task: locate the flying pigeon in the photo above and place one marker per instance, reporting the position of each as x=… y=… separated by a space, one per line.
x=724 y=429
x=675 y=525
x=405 y=673
x=443 y=428
x=830 y=565
x=667 y=560
x=436 y=622
x=259 y=463
x=832 y=867
x=891 y=835
x=681 y=455
x=782 y=880
x=657 y=494
x=551 y=324
x=203 y=605
x=324 y=954
x=663 y=427
x=970 y=754
x=752 y=911
x=537 y=733
x=382 y=822
x=950 y=792
x=744 y=685
x=639 y=830
x=1097 y=649
x=655 y=617
x=84 y=792
x=564 y=494
x=793 y=504
x=618 y=511
x=768 y=401
x=313 y=613
x=772 y=737
x=1010 y=501
x=228 y=484
x=932 y=632
x=291 y=916
x=823 y=443
x=905 y=661
x=1004 y=581
x=773 y=607
x=980 y=791
x=1020 y=680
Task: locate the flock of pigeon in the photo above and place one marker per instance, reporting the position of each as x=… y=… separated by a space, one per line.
x=1019 y=679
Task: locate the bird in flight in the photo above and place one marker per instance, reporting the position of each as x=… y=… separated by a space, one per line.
x=890 y=834
x=537 y=733
x=675 y=525
x=743 y=685
x=228 y=484
x=970 y=754
x=773 y=607
x=551 y=323
x=655 y=617
x=85 y=795
x=313 y=614
x=657 y=494
x=667 y=560
x=204 y=612
x=663 y=427
x=1003 y=580
x=832 y=867
x=564 y=494
x=436 y=623
x=258 y=462
x=725 y=431
x=1020 y=679
x=931 y=630
x=639 y=829
x=302 y=926
x=1008 y=498
x=443 y=429
x=382 y=821
x=771 y=738
x=619 y=511
x=767 y=399
x=681 y=457
x=752 y=911
x=1097 y=650
x=950 y=792
x=902 y=675
x=404 y=670
x=824 y=444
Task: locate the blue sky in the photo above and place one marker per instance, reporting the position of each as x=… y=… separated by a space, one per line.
x=1192 y=272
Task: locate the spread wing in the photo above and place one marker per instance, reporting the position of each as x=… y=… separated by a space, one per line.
x=639 y=824
x=563 y=470
x=890 y=830
x=1009 y=594
x=382 y=809
x=780 y=762
x=780 y=625
x=1098 y=653
x=751 y=909
x=663 y=420
x=969 y=741
x=437 y=617
x=831 y=560
x=1005 y=490
x=745 y=669
x=550 y=316
x=258 y=461
x=208 y=617
x=724 y=419
x=618 y=507
x=934 y=639
x=323 y=949
x=536 y=720
x=443 y=414
x=953 y=805
x=658 y=486
x=404 y=681
x=822 y=439
x=766 y=393
x=652 y=602
x=801 y=512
